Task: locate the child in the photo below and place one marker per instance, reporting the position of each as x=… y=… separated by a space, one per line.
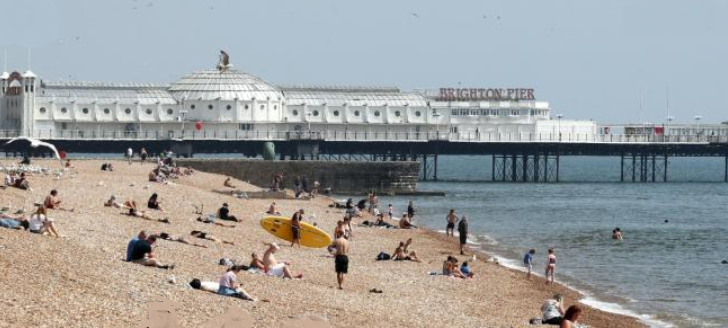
x=465 y=270
x=391 y=211
x=528 y=262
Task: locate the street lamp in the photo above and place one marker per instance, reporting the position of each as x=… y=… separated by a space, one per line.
x=559 y=116
x=308 y=119
x=182 y=117
x=667 y=128
x=437 y=115
x=697 y=124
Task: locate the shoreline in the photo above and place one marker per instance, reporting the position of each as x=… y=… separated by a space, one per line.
x=91 y=283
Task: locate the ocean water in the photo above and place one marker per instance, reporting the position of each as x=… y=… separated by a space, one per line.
x=668 y=274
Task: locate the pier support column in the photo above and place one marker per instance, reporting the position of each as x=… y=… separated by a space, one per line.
x=424 y=167
x=664 y=173
x=514 y=168
x=634 y=167
x=524 y=177
x=654 y=167
x=725 y=178
x=558 y=166
x=535 y=167
x=492 y=168
x=546 y=167
x=621 y=167
x=434 y=177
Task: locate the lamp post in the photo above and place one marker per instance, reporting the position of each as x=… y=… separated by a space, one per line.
x=308 y=119
x=437 y=115
x=183 y=113
x=667 y=128
x=559 y=116
x=697 y=124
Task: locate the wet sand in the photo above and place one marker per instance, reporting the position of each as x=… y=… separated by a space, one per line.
x=81 y=280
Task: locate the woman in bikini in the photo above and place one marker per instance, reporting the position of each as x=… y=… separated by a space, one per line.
x=205 y=235
x=550 y=267
x=134 y=211
x=166 y=236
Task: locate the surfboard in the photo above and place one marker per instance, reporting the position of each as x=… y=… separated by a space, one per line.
x=311 y=236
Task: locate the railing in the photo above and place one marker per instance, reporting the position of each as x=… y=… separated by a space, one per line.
x=365 y=136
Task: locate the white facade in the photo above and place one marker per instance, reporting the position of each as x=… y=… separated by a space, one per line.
x=228 y=103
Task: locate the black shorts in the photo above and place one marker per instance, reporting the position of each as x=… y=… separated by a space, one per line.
x=296 y=232
x=342 y=264
x=553 y=321
x=450 y=225
x=463 y=238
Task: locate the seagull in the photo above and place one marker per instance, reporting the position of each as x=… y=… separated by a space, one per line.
x=35 y=143
x=415 y=15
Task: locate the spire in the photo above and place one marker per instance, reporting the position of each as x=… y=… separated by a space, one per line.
x=29 y=73
x=4 y=75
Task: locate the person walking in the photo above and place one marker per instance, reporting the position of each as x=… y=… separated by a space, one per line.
x=341 y=259
x=463 y=232
x=296 y=228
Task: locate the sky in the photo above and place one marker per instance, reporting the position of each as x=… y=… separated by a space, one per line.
x=613 y=61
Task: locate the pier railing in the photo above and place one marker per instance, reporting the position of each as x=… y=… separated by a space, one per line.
x=380 y=136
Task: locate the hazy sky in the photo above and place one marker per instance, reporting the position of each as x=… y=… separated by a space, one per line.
x=590 y=59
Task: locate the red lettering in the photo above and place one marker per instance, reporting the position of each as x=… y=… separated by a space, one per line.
x=451 y=93
x=481 y=93
x=443 y=93
x=510 y=94
x=521 y=94
x=498 y=94
x=530 y=95
x=490 y=94
x=473 y=94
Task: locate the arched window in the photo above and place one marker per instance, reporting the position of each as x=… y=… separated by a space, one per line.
x=315 y=113
x=170 y=111
x=127 y=111
x=192 y=106
x=107 y=111
x=149 y=111
x=42 y=110
x=229 y=107
x=377 y=113
x=85 y=110
x=356 y=113
x=64 y=110
x=295 y=112
x=209 y=107
x=336 y=113
x=418 y=113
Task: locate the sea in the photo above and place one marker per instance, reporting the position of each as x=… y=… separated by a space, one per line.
x=667 y=270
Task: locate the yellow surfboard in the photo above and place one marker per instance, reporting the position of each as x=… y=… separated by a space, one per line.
x=311 y=236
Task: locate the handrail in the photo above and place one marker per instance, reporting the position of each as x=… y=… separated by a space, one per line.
x=381 y=136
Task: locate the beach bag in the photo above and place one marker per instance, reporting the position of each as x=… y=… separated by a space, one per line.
x=383 y=256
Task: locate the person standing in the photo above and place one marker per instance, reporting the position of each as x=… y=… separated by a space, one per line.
x=341 y=259
x=129 y=154
x=463 y=232
x=528 y=262
x=451 y=219
x=550 y=267
x=410 y=210
x=143 y=155
x=296 y=227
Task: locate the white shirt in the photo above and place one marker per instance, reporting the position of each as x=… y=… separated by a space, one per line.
x=36 y=221
x=129 y=152
x=550 y=310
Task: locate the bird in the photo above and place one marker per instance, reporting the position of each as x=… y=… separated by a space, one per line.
x=35 y=143
x=415 y=15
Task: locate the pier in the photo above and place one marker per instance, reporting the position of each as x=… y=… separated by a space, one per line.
x=513 y=157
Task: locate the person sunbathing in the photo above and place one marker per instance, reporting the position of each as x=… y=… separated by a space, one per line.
x=205 y=235
x=214 y=287
x=40 y=223
x=10 y=222
x=275 y=268
x=256 y=262
x=154 y=203
x=113 y=203
x=166 y=236
x=450 y=268
x=401 y=254
x=134 y=211
x=21 y=182
x=52 y=201
x=228 y=184
x=272 y=209
x=143 y=253
x=210 y=220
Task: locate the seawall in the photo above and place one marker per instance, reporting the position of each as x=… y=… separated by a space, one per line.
x=341 y=177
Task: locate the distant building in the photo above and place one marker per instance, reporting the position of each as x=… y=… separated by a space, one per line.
x=227 y=103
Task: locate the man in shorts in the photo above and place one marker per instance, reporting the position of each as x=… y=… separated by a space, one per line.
x=296 y=228
x=528 y=262
x=451 y=219
x=143 y=254
x=341 y=260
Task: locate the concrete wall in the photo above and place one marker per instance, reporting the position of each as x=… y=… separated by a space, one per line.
x=341 y=177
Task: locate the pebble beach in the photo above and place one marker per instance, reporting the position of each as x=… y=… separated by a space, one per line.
x=81 y=280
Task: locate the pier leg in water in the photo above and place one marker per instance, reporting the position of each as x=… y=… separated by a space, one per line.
x=664 y=172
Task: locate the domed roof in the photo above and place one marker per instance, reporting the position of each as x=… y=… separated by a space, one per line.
x=228 y=84
x=29 y=74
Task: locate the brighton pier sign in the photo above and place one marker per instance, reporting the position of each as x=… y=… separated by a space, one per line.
x=468 y=94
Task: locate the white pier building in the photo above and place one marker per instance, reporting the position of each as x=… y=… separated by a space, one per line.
x=225 y=103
